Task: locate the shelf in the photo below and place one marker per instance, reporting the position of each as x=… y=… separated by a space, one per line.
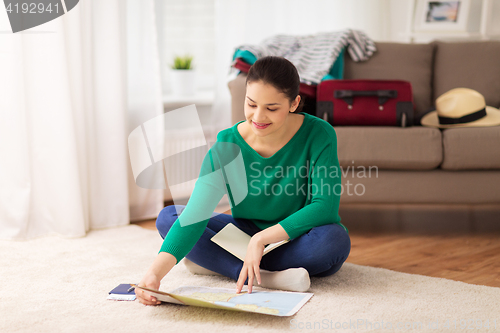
x=426 y=37
x=446 y=34
x=204 y=97
x=476 y=25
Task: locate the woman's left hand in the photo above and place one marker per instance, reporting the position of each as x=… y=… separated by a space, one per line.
x=251 y=265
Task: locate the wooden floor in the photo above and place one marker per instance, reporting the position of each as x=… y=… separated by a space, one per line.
x=472 y=259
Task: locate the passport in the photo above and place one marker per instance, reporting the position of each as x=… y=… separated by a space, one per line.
x=120 y=293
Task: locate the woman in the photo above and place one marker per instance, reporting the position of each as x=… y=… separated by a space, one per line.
x=292 y=187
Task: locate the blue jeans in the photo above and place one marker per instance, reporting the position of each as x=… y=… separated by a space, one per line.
x=321 y=251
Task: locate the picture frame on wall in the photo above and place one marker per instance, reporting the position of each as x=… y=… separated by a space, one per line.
x=442 y=16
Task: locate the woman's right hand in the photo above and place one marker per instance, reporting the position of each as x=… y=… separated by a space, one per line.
x=160 y=267
x=148 y=281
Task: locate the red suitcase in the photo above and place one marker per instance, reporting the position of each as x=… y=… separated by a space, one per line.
x=365 y=102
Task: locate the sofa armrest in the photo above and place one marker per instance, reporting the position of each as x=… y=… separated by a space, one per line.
x=237 y=88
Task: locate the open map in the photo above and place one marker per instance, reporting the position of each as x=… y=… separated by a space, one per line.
x=276 y=303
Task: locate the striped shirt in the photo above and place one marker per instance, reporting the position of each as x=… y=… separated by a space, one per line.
x=313 y=55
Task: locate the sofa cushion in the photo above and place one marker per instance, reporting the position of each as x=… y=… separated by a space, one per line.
x=421 y=187
x=473 y=64
x=410 y=148
x=399 y=61
x=471 y=148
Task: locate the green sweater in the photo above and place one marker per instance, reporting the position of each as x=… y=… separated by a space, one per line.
x=298 y=187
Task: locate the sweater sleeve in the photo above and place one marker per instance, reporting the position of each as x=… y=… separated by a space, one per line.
x=324 y=186
x=191 y=223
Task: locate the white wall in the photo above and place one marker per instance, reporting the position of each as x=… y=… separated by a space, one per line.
x=401 y=16
x=399 y=20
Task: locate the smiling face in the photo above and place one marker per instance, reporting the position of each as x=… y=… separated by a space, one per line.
x=267 y=109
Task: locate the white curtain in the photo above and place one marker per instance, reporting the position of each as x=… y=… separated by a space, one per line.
x=144 y=99
x=64 y=164
x=251 y=21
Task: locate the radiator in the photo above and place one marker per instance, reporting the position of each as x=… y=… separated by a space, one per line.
x=167 y=152
x=186 y=150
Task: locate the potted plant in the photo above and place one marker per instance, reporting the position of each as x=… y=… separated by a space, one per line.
x=183 y=76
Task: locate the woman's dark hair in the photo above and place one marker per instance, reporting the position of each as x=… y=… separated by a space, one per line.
x=278 y=72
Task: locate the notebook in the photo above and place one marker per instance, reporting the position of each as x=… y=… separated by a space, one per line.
x=235 y=241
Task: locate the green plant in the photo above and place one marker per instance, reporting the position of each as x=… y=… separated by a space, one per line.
x=182 y=62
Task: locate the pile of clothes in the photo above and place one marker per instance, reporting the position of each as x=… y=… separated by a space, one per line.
x=317 y=57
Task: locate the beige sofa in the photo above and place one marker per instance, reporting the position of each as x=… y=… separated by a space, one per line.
x=419 y=179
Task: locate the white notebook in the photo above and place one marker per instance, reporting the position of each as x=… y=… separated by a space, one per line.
x=235 y=241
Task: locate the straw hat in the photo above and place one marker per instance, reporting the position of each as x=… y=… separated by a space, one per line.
x=462 y=107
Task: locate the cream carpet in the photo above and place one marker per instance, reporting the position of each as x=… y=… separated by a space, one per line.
x=53 y=284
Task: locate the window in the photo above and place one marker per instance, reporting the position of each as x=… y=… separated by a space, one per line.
x=187 y=27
